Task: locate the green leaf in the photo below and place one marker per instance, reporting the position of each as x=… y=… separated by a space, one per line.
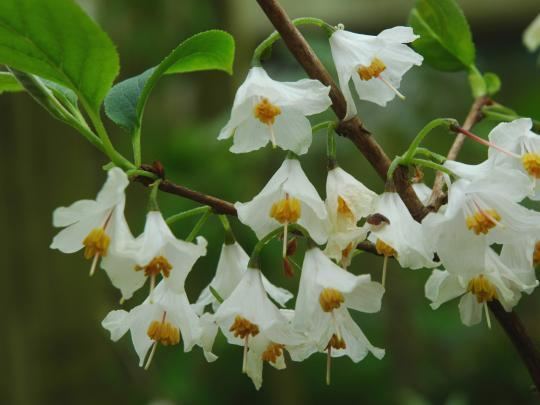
x=477 y=83
x=493 y=83
x=8 y=83
x=445 y=38
x=56 y=40
x=209 y=50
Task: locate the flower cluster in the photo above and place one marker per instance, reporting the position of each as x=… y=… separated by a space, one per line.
x=486 y=242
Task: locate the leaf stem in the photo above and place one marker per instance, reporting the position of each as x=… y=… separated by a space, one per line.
x=186 y=214
x=199 y=224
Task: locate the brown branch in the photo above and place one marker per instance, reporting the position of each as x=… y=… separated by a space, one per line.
x=438 y=196
x=353 y=128
x=219 y=206
x=515 y=330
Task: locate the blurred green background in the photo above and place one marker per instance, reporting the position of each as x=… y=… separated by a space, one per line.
x=52 y=347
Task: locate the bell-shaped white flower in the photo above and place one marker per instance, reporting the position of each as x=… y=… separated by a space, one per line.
x=493 y=280
x=155 y=252
x=325 y=294
x=248 y=318
x=232 y=264
x=97 y=225
x=376 y=64
x=166 y=319
x=517 y=138
x=397 y=234
x=267 y=110
x=479 y=213
x=347 y=201
x=287 y=198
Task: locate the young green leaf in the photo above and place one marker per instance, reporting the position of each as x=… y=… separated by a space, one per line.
x=209 y=50
x=8 y=83
x=493 y=83
x=477 y=83
x=445 y=38
x=56 y=40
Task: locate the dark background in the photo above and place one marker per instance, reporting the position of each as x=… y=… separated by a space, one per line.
x=52 y=347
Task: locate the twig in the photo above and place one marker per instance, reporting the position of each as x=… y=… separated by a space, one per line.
x=353 y=128
x=515 y=330
x=438 y=196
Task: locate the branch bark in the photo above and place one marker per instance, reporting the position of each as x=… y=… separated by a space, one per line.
x=353 y=128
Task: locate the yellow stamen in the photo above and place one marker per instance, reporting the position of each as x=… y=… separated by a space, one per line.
x=243 y=328
x=273 y=352
x=336 y=343
x=164 y=333
x=157 y=265
x=347 y=251
x=536 y=254
x=287 y=210
x=384 y=249
x=343 y=209
x=266 y=112
x=483 y=289
x=96 y=243
x=376 y=67
x=482 y=221
x=330 y=299
x=531 y=163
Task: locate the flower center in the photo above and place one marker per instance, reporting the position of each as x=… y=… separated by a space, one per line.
x=336 y=343
x=482 y=221
x=343 y=208
x=536 y=254
x=330 y=299
x=96 y=243
x=164 y=333
x=384 y=249
x=374 y=70
x=273 y=352
x=243 y=328
x=531 y=163
x=482 y=288
x=159 y=264
x=266 y=112
x=287 y=210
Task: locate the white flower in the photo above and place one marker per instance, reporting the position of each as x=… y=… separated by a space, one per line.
x=479 y=213
x=401 y=237
x=531 y=36
x=97 y=225
x=232 y=264
x=375 y=63
x=325 y=294
x=347 y=201
x=155 y=252
x=248 y=318
x=287 y=198
x=267 y=110
x=167 y=319
x=492 y=280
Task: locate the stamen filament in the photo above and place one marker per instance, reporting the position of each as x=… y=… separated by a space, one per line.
x=285 y=229
x=152 y=286
x=485 y=142
x=244 y=359
x=328 y=364
x=151 y=356
x=94 y=264
x=385 y=265
x=272 y=136
x=488 y=317
x=401 y=96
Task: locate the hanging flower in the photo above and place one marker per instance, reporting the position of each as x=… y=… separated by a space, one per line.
x=325 y=294
x=166 y=319
x=232 y=264
x=375 y=63
x=398 y=235
x=157 y=252
x=267 y=110
x=288 y=198
x=347 y=201
x=493 y=281
x=99 y=225
x=479 y=213
x=248 y=318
